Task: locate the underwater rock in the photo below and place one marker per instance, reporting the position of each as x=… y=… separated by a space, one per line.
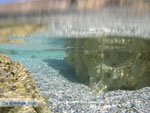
x=110 y=63
x=33 y=56
x=16 y=82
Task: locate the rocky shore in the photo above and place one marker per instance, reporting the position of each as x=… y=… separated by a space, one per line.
x=16 y=82
x=21 y=29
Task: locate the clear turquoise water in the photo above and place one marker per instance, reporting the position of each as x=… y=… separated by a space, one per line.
x=43 y=56
x=39 y=52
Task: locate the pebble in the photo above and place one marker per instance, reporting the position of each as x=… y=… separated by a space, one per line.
x=66 y=96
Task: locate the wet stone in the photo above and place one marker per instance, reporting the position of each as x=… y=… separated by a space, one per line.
x=9 y=88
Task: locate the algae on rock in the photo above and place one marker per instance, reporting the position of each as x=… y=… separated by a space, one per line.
x=110 y=63
x=16 y=82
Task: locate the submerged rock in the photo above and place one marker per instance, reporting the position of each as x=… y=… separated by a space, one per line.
x=110 y=63
x=17 y=83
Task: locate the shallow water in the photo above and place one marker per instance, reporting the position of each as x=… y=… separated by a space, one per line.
x=44 y=58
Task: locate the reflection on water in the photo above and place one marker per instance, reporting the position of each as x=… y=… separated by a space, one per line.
x=109 y=43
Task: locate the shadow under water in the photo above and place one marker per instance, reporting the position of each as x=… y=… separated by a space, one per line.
x=64 y=69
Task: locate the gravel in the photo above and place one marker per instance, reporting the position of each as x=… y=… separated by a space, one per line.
x=64 y=94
